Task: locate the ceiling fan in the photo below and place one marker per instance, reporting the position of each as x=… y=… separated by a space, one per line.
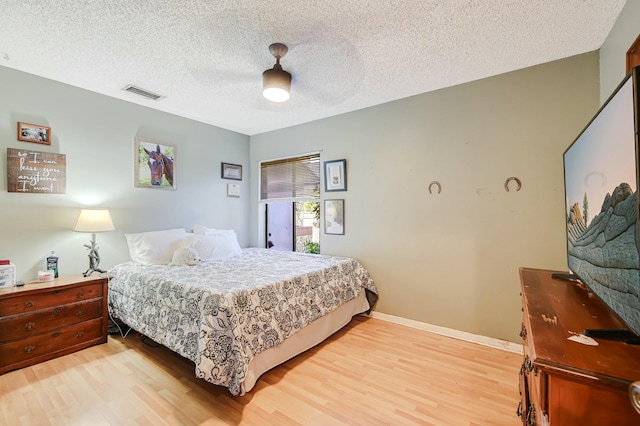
x=276 y=82
x=314 y=86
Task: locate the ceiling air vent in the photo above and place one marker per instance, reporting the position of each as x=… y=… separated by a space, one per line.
x=142 y=92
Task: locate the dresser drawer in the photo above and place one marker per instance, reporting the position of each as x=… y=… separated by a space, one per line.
x=47 y=344
x=53 y=297
x=24 y=325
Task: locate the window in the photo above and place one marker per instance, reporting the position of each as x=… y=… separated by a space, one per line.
x=290 y=190
x=290 y=178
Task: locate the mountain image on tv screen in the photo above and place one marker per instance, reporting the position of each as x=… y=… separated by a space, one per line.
x=602 y=207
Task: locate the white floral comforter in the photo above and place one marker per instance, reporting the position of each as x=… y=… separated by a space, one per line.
x=221 y=314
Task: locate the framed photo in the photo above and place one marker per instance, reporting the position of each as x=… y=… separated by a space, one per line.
x=231 y=171
x=335 y=175
x=154 y=165
x=334 y=217
x=233 y=190
x=34 y=133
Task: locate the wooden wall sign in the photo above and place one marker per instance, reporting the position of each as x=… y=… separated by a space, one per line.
x=37 y=172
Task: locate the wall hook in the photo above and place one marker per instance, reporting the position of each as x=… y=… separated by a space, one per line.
x=435 y=182
x=506 y=183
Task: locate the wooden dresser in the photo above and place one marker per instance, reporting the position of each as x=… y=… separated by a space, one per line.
x=564 y=382
x=42 y=321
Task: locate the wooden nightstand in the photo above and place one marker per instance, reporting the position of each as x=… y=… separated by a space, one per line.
x=42 y=321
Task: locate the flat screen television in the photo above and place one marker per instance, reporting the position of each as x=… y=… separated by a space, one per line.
x=601 y=192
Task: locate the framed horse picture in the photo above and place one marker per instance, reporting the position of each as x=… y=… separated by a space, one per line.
x=154 y=164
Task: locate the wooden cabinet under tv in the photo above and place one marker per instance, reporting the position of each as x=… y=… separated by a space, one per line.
x=563 y=382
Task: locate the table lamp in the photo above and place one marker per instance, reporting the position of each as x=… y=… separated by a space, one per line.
x=93 y=221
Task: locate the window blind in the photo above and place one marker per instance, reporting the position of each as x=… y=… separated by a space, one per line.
x=297 y=177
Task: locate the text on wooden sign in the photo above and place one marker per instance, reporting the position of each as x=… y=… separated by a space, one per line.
x=35 y=171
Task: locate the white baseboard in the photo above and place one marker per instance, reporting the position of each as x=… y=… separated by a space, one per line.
x=449 y=332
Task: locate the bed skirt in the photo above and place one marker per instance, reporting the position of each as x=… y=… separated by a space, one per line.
x=305 y=339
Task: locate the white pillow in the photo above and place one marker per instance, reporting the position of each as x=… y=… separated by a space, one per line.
x=203 y=230
x=154 y=247
x=213 y=243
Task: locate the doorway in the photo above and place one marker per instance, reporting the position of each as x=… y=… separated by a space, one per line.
x=293 y=226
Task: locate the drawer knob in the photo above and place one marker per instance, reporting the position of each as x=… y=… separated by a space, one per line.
x=56 y=311
x=523 y=332
x=529 y=367
x=519 y=409
x=80 y=314
x=634 y=395
x=80 y=294
x=29 y=325
x=80 y=334
x=29 y=304
x=531 y=415
x=56 y=334
x=57 y=292
x=29 y=349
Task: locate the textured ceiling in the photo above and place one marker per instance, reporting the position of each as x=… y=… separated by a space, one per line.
x=207 y=57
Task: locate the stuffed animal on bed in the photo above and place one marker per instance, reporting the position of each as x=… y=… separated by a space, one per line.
x=185 y=256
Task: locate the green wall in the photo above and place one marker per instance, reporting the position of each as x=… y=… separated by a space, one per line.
x=96 y=133
x=452 y=259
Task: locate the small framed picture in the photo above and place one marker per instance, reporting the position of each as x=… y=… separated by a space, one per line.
x=154 y=165
x=335 y=175
x=34 y=133
x=231 y=171
x=334 y=217
x=233 y=190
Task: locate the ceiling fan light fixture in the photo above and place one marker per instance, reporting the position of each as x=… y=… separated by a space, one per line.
x=276 y=85
x=276 y=82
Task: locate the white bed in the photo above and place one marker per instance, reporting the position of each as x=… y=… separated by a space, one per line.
x=238 y=317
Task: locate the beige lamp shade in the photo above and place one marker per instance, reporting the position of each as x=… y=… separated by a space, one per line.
x=94 y=221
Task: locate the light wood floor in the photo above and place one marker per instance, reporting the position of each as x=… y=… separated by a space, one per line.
x=370 y=373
